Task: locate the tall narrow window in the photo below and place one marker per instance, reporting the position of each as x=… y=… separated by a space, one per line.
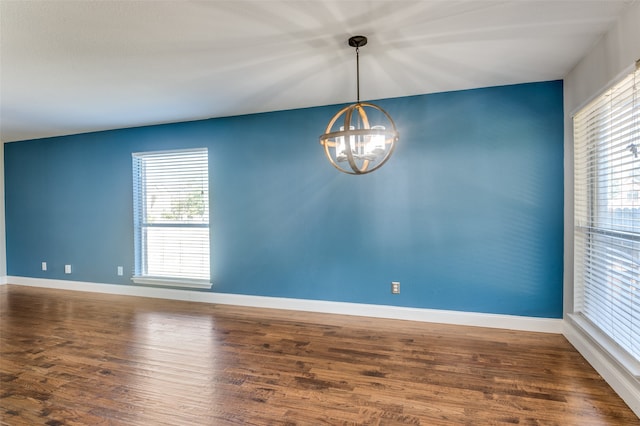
x=171 y=218
x=607 y=216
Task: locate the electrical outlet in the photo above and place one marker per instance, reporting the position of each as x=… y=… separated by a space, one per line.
x=120 y=271
x=395 y=287
x=67 y=269
x=44 y=266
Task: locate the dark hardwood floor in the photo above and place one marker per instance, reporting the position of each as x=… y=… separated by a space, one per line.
x=73 y=358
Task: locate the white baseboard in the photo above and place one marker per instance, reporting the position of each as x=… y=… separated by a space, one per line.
x=623 y=383
x=511 y=322
x=3 y=280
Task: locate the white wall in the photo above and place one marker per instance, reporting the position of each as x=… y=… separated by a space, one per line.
x=613 y=55
x=615 y=52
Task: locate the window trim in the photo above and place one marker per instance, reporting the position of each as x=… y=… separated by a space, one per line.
x=171 y=282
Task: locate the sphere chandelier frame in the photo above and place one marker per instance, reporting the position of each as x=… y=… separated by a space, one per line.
x=352 y=143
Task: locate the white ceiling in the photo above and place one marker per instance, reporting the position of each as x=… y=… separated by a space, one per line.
x=75 y=66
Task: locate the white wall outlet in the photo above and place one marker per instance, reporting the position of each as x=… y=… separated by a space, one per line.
x=395 y=287
x=67 y=269
x=44 y=266
x=120 y=271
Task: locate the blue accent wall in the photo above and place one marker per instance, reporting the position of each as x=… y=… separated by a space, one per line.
x=467 y=214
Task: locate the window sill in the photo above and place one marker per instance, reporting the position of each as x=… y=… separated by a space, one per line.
x=172 y=282
x=624 y=359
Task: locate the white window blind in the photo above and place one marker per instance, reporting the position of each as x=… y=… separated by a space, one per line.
x=607 y=213
x=171 y=217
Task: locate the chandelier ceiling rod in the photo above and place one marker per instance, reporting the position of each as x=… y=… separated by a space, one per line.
x=357 y=41
x=358 y=74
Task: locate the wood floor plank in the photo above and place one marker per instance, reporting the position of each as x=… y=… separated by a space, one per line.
x=73 y=358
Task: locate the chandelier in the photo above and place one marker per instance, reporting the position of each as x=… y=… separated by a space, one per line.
x=361 y=137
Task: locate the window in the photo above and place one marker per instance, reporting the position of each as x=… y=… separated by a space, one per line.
x=171 y=218
x=607 y=217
